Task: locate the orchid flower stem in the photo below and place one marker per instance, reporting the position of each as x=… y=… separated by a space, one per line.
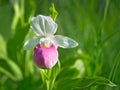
x=47 y=82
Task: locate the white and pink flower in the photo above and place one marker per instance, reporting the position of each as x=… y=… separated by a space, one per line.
x=45 y=43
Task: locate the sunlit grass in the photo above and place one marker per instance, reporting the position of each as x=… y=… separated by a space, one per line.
x=94 y=24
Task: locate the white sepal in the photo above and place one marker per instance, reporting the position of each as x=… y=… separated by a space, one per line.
x=34 y=25
x=43 y=25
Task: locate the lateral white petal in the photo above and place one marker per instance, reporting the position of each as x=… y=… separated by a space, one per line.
x=29 y=44
x=64 y=42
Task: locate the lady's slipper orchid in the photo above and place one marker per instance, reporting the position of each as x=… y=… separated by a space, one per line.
x=45 y=43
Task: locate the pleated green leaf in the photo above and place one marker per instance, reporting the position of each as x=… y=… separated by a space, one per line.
x=82 y=83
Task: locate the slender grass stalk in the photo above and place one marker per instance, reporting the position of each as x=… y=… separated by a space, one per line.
x=16 y=16
x=114 y=68
x=98 y=54
x=22 y=13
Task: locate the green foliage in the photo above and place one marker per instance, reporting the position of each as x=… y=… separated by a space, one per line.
x=93 y=65
x=53 y=12
x=49 y=76
x=82 y=83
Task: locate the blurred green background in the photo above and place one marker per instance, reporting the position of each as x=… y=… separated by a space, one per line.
x=94 y=24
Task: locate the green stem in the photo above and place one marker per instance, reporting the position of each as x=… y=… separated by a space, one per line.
x=49 y=76
x=47 y=82
x=48 y=85
x=44 y=79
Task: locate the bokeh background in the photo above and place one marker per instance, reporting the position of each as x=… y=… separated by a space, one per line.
x=94 y=24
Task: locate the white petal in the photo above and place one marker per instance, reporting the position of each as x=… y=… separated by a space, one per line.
x=64 y=42
x=43 y=25
x=29 y=44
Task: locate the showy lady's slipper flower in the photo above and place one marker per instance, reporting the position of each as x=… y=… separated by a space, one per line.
x=45 y=43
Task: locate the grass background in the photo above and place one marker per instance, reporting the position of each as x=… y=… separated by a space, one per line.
x=94 y=24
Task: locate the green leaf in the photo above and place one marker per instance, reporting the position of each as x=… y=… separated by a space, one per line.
x=74 y=65
x=49 y=76
x=3 y=2
x=81 y=83
x=23 y=11
x=7 y=66
x=53 y=12
x=5 y=17
x=15 y=44
x=2 y=47
x=17 y=13
x=53 y=72
x=10 y=69
x=29 y=9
